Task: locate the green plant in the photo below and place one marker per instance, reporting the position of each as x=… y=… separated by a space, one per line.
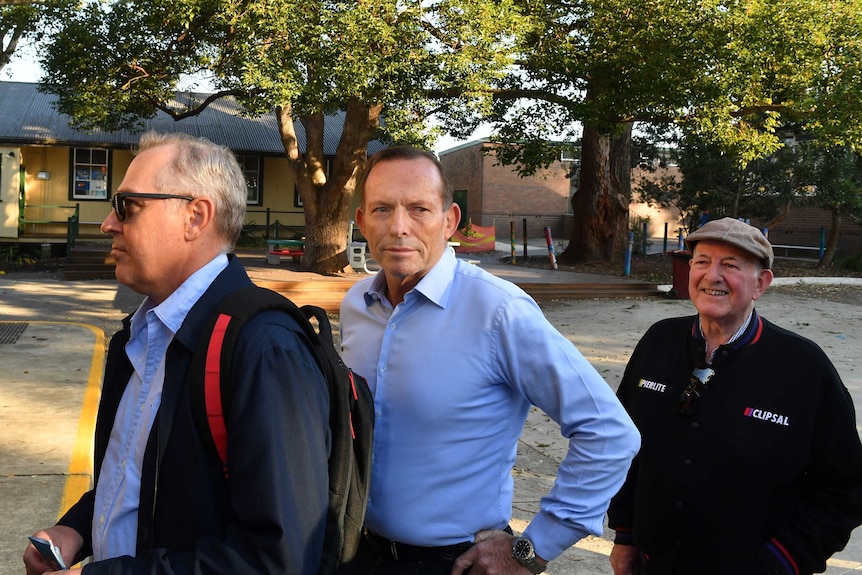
x=636 y=227
x=467 y=230
x=849 y=263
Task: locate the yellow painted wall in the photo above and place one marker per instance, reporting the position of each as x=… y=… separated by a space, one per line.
x=278 y=194
x=9 y=185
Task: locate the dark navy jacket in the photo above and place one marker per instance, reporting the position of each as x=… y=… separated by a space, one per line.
x=765 y=476
x=270 y=516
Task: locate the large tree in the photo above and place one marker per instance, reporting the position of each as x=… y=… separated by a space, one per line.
x=731 y=71
x=835 y=176
x=713 y=179
x=25 y=21
x=117 y=62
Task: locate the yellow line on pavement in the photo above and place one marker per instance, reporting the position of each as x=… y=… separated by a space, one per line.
x=80 y=473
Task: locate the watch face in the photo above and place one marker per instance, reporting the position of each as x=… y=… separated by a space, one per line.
x=522 y=549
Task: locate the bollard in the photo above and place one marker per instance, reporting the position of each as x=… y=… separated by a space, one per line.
x=512 y=239
x=551 y=253
x=664 y=240
x=628 y=266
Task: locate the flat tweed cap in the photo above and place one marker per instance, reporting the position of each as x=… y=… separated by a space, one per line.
x=736 y=233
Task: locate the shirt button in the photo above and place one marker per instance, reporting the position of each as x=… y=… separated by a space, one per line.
x=695 y=424
x=687 y=461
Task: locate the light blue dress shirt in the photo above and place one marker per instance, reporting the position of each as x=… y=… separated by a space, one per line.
x=454 y=369
x=115 y=521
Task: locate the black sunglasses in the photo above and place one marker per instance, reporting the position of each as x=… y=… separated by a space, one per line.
x=118 y=202
x=690 y=398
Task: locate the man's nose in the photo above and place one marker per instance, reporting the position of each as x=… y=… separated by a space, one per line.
x=110 y=223
x=400 y=223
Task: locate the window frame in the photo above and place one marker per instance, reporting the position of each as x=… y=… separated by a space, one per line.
x=81 y=175
x=258 y=199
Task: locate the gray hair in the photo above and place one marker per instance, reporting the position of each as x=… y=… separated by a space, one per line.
x=201 y=168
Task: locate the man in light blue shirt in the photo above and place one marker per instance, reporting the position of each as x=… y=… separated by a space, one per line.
x=455 y=357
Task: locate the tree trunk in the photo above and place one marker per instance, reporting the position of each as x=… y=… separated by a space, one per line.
x=601 y=204
x=327 y=198
x=832 y=242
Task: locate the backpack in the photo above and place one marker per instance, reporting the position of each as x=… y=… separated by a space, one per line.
x=351 y=417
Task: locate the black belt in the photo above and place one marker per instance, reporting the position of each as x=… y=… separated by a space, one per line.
x=414 y=553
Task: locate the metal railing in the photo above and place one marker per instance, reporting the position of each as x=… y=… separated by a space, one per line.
x=71 y=222
x=272 y=229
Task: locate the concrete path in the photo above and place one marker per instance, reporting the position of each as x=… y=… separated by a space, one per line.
x=52 y=342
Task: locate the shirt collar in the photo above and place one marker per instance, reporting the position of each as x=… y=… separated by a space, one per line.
x=747 y=334
x=435 y=285
x=172 y=312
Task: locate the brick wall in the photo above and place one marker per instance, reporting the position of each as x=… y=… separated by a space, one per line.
x=464 y=166
x=802 y=228
x=497 y=195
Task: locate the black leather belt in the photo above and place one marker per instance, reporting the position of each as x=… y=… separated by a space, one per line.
x=414 y=553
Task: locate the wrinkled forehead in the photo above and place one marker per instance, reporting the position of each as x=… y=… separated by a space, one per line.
x=717 y=249
x=404 y=180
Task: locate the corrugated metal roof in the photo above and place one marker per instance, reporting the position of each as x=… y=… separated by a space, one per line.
x=28 y=117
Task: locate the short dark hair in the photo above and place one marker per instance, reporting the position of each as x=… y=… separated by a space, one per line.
x=447 y=193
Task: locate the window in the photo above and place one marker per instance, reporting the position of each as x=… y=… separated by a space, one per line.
x=252 y=169
x=90 y=174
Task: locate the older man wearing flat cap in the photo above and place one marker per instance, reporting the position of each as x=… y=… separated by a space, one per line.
x=750 y=460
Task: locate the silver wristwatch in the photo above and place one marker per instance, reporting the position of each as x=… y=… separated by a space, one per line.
x=525 y=554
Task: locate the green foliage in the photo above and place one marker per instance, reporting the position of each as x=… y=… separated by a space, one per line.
x=636 y=228
x=849 y=263
x=27 y=22
x=833 y=175
x=118 y=62
x=731 y=72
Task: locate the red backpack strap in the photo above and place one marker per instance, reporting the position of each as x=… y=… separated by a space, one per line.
x=212 y=389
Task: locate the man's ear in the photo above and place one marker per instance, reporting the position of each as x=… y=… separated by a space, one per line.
x=764 y=279
x=359 y=219
x=453 y=217
x=200 y=212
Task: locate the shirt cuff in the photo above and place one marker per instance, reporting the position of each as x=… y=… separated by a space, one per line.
x=550 y=537
x=624 y=536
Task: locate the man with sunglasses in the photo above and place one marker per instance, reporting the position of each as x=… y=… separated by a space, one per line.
x=751 y=463
x=161 y=501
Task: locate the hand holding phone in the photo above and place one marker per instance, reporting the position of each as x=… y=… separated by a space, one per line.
x=49 y=552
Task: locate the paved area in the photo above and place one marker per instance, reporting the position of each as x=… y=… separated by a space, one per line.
x=52 y=341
